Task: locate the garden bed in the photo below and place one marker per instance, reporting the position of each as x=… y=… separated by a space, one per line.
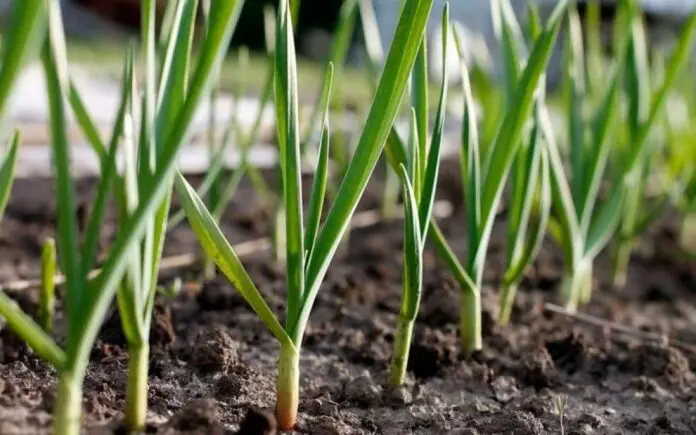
x=213 y=361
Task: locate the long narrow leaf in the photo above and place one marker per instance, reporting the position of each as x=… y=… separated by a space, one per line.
x=321 y=176
x=432 y=166
x=219 y=250
x=288 y=136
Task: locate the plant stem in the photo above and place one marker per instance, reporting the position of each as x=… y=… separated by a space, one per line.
x=576 y=286
x=585 y=289
x=68 y=407
x=288 y=387
x=402 y=346
x=622 y=258
x=687 y=236
x=136 y=390
x=470 y=320
x=507 y=299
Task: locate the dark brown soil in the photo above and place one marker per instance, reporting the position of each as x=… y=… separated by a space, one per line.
x=213 y=363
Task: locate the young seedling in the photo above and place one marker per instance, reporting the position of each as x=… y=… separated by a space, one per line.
x=560 y=405
x=484 y=176
x=419 y=186
x=529 y=198
x=309 y=252
x=580 y=224
x=502 y=152
x=48 y=286
x=173 y=90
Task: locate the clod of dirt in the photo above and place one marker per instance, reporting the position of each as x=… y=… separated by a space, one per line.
x=661 y=362
x=363 y=391
x=215 y=351
x=258 y=422
x=537 y=368
x=198 y=417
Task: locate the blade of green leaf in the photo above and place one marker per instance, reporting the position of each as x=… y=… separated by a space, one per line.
x=216 y=246
x=289 y=139
x=321 y=175
x=432 y=166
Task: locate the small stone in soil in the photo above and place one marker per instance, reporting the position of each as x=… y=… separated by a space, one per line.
x=258 y=422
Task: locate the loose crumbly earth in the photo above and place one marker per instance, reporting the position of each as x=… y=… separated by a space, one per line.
x=213 y=363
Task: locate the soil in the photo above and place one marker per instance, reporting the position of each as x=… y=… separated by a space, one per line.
x=213 y=370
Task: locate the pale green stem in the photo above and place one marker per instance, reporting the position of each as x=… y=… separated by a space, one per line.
x=470 y=320
x=622 y=259
x=288 y=387
x=507 y=300
x=68 y=406
x=585 y=290
x=687 y=237
x=576 y=286
x=402 y=346
x=136 y=389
